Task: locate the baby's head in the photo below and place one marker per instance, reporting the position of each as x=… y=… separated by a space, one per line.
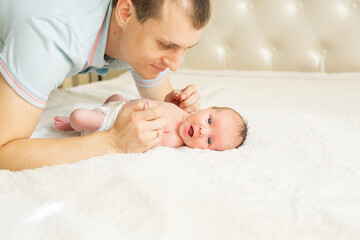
x=216 y=128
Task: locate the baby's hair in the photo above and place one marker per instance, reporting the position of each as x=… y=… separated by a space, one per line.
x=242 y=128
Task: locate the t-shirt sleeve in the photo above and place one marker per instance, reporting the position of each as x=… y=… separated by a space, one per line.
x=35 y=59
x=148 y=83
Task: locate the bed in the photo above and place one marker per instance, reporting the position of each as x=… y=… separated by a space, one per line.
x=296 y=177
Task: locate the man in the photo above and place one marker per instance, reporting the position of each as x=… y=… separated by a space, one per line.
x=44 y=41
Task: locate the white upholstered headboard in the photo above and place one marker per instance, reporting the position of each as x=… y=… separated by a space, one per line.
x=280 y=35
x=274 y=35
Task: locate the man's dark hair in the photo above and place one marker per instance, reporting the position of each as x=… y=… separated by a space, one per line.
x=198 y=10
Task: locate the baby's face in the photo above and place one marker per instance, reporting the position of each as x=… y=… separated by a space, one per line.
x=210 y=129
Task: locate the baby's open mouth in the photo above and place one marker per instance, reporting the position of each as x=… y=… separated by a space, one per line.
x=191 y=131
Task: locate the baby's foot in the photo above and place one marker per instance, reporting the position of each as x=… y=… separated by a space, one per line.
x=63 y=124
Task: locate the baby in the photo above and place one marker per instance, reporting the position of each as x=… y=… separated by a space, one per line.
x=212 y=128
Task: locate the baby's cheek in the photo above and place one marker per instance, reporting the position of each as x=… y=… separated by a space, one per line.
x=197 y=144
x=203 y=144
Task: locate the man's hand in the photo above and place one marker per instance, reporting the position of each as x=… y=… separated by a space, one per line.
x=137 y=128
x=187 y=98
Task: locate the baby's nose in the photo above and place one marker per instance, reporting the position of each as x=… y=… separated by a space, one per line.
x=202 y=130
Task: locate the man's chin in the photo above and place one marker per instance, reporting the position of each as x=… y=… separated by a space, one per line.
x=147 y=75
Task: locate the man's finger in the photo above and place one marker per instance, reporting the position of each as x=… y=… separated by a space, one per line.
x=153 y=137
x=192 y=108
x=149 y=105
x=188 y=91
x=194 y=98
x=152 y=125
x=157 y=133
x=150 y=113
x=176 y=93
x=138 y=106
x=155 y=141
x=173 y=96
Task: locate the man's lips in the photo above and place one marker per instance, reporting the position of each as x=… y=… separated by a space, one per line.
x=191 y=131
x=159 y=69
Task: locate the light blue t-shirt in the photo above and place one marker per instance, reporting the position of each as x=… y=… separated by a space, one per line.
x=42 y=42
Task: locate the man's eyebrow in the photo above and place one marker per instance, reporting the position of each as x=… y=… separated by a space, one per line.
x=170 y=44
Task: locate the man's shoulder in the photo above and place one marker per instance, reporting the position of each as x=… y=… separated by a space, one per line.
x=83 y=18
x=88 y=19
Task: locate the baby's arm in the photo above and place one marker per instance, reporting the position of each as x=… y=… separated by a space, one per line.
x=81 y=119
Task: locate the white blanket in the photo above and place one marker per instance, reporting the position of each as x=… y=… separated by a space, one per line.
x=296 y=177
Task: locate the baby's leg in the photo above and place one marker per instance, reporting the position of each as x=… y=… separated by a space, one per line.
x=115 y=97
x=86 y=120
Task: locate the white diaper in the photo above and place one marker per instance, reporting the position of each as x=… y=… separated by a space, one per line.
x=111 y=110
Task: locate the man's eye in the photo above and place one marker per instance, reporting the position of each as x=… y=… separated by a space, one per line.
x=209 y=121
x=164 y=46
x=209 y=141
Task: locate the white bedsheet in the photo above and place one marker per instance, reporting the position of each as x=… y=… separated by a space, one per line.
x=296 y=177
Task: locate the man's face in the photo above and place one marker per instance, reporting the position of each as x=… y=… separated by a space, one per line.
x=210 y=129
x=157 y=44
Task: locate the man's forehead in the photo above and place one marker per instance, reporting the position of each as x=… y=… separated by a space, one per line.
x=174 y=26
x=176 y=34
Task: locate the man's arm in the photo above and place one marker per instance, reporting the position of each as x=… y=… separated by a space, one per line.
x=158 y=92
x=18 y=120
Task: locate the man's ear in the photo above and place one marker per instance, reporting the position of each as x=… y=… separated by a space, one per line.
x=123 y=11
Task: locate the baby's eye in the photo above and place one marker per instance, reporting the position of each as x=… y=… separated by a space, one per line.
x=209 y=121
x=209 y=140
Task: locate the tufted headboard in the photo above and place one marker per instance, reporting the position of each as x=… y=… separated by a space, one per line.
x=274 y=35
x=280 y=35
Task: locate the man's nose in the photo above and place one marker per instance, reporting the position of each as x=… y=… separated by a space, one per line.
x=174 y=59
